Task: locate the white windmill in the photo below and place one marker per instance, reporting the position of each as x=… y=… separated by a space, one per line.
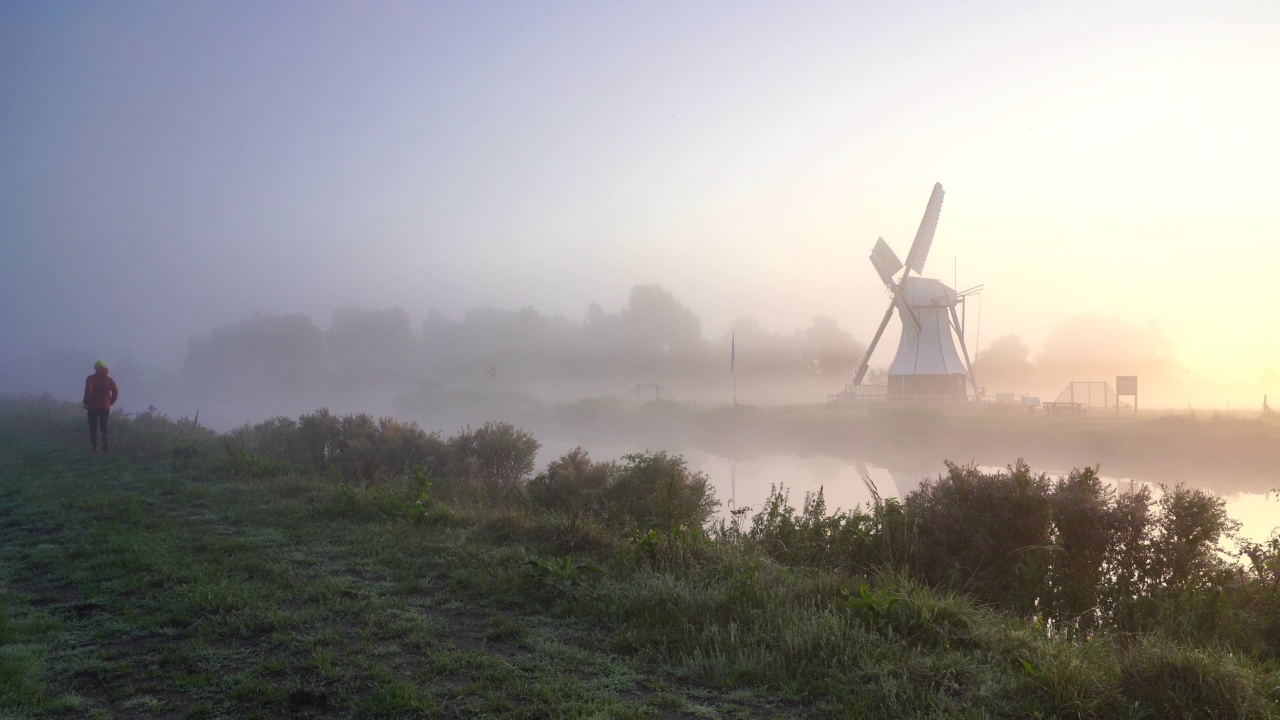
x=926 y=365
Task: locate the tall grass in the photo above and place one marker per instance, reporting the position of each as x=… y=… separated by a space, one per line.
x=1004 y=594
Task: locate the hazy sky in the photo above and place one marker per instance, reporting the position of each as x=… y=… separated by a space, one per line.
x=169 y=167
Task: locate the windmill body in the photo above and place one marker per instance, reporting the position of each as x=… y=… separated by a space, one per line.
x=927 y=365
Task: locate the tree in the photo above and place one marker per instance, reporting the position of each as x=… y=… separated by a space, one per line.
x=1005 y=365
x=530 y=349
x=1099 y=347
x=655 y=338
x=268 y=358
x=656 y=325
x=827 y=350
x=371 y=347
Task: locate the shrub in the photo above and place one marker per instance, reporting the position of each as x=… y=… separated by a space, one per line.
x=1191 y=525
x=657 y=490
x=1128 y=565
x=988 y=533
x=277 y=438
x=1083 y=527
x=848 y=539
x=354 y=447
x=317 y=437
x=572 y=482
x=151 y=432
x=404 y=448
x=1258 y=597
x=498 y=454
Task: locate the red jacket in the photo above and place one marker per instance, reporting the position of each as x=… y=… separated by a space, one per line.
x=100 y=391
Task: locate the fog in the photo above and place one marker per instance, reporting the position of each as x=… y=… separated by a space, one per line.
x=488 y=361
x=251 y=210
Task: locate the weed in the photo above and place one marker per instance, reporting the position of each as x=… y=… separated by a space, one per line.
x=871 y=606
x=562 y=574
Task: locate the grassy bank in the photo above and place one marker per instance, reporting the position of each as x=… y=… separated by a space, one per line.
x=192 y=575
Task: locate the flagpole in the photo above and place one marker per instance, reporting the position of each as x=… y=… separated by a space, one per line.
x=733 y=365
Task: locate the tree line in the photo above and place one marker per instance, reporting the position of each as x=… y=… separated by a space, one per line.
x=365 y=358
x=368 y=356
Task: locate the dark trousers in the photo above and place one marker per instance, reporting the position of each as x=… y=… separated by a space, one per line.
x=98 y=421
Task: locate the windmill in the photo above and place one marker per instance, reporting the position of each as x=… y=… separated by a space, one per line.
x=926 y=364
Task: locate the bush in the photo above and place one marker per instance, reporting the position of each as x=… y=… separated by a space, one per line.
x=1128 y=565
x=657 y=490
x=850 y=539
x=151 y=432
x=1083 y=528
x=354 y=447
x=499 y=455
x=987 y=533
x=572 y=482
x=1191 y=525
x=277 y=438
x=1259 y=597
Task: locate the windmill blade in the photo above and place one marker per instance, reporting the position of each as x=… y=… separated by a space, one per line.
x=885 y=261
x=909 y=316
x=924 y=236
x=866 y=357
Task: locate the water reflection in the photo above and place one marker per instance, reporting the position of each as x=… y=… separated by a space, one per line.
x=746 y=483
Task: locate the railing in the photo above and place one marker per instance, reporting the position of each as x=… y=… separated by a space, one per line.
x=647 y=393
x=859 y=393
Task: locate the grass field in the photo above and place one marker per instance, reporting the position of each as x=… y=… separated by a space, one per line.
x=131 y=592
x=158 y=582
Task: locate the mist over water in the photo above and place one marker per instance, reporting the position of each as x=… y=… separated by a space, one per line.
x=644 y=377
x=654 y=346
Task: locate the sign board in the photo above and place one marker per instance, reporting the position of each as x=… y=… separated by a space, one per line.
x=1126 y=384
x=490 y=371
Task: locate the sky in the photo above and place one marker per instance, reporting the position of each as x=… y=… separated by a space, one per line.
x=169 y=167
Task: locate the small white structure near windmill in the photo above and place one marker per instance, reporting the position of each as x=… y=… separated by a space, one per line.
x=927 y=366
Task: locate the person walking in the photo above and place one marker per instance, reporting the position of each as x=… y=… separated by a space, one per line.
x=100 y=393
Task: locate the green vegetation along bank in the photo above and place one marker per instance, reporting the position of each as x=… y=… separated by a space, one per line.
x=1227 y=451
x=350 y=567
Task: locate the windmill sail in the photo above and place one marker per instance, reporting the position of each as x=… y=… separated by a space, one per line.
x=886 y=262
x=924 y=236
